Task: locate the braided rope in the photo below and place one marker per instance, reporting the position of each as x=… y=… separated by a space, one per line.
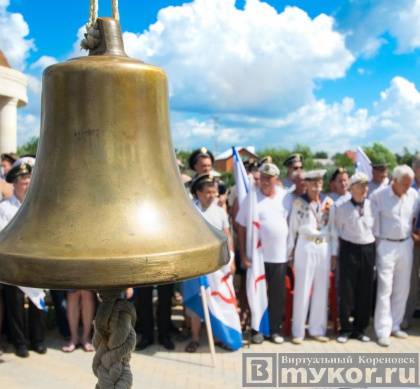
x=93 y=13
x=115 y=11
x=114 y=340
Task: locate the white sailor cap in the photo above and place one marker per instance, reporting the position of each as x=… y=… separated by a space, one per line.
x=28 y=160
x=270 y=169
x=359 y=178
x=314 y=174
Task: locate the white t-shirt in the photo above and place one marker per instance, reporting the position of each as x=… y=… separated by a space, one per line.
x=214 y=215
x=272 y=214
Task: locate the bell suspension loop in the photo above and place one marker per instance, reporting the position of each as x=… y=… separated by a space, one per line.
x=92 y=35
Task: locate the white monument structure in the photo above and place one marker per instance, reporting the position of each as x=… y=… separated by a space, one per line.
x=12 y=95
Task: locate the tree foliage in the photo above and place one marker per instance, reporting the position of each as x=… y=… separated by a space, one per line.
x=29 y=147
x=378 y=153
x=406 y=157
x=342 y=160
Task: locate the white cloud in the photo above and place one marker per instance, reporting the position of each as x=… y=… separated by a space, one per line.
x=77 y=51
x=334 y=120
x=27 y=127
x=394 y=120
x=367 y=21
x=13 y=33
x=43 y=62
x=229 y=136
x=256 y=70
x=29 y=117
x=405 y=26
x=34 y=86
x=397 y=114
x=189 y=133
x=223 y=59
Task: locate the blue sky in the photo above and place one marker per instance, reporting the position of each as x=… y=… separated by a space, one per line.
x=331 y=74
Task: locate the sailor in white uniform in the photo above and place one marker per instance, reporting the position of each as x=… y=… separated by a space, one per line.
x=20 y=177
x=309 y=240
x=412 y=301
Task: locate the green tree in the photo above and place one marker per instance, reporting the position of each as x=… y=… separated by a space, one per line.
x=342 y=160
x=183 y=156
x=228 y=179
x=278 y=155
x=378 y=153
x=321 y=155
x=406 y=157
x=29 y=147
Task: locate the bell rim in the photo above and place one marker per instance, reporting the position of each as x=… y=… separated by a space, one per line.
x=126 y=271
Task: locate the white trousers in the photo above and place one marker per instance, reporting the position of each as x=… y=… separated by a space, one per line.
x=393 y=263
x=312 y=269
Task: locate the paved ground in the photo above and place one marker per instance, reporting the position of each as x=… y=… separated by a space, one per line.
x=158 y=369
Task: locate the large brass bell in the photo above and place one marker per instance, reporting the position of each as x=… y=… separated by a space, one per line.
x=106 y=207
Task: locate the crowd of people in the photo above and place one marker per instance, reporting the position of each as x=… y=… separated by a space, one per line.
x=366 y=233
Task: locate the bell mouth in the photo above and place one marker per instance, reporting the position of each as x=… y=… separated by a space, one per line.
x=114 y=272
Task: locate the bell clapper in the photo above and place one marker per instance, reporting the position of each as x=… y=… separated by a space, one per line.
x=114 y=340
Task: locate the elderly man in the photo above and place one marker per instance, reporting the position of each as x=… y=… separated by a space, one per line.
x=394 y=209
x=273 y=210
x=293 y=163
x=414 y=282
x=309 y=241
x=353 y=226
x=20 y=177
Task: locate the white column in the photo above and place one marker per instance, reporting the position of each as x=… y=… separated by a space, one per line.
x=8 y=124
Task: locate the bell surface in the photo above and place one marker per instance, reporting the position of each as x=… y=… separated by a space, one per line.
x=106 y=207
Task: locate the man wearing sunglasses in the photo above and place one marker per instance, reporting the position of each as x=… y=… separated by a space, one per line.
x=293 y=163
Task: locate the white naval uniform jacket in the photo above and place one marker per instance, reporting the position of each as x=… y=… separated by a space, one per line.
x=303 y=222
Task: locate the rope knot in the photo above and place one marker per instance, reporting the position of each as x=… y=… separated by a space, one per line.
x=92 y=38
x=92 y=35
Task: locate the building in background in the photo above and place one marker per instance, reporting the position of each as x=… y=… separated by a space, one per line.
x=13 y=86
x=224 y=161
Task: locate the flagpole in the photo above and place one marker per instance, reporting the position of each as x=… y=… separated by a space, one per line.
x=208 y=324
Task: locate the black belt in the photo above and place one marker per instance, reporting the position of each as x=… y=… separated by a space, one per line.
x=344 y=242
x=396 y=240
